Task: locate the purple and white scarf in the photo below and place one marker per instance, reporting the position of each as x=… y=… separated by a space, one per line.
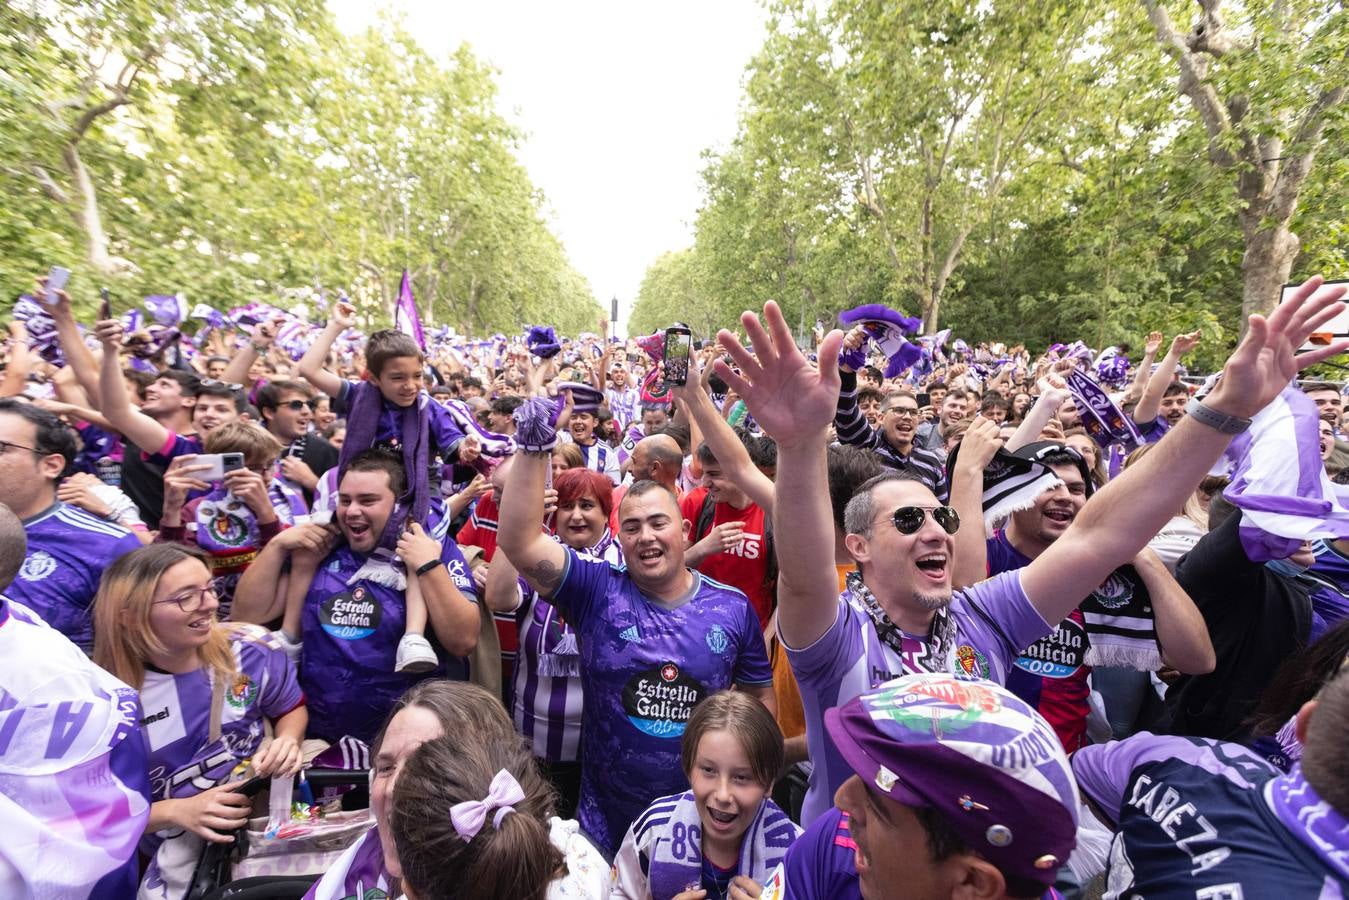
x=1102 y=419
x=1317 y=824
x=1279 y=482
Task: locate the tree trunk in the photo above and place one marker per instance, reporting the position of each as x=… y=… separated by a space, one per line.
x=1265 y=267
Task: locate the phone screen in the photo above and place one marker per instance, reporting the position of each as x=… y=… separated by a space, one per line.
x=924 y=400
x=678 y=344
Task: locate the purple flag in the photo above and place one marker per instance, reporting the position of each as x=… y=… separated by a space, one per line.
x=166 y=310
x=405 y=318
x=1280 y=484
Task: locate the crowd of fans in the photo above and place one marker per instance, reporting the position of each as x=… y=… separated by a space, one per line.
x=868 y=617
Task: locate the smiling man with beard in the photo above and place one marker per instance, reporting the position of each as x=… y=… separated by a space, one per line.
x=899 y=614
x=655 y=637
x=355 y=611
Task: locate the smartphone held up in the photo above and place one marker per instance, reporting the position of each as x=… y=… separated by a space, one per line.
x=678 y=346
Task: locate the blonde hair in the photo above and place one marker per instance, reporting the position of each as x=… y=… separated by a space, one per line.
x=257 y=446
x=749 y=721
x=123 y=638
x=571 y=454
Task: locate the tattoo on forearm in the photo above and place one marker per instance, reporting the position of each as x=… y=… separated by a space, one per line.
x=543 y=575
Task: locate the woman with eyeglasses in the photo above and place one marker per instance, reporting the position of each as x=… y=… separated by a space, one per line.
x=210 y=694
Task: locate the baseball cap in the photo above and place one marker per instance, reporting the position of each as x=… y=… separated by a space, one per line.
x=974 y=753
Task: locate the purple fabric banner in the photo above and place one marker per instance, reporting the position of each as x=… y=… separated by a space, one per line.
x=405 y=317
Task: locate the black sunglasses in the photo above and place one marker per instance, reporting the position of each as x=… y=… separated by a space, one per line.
x=213 y=382
x=908 y=519
x=297 y=405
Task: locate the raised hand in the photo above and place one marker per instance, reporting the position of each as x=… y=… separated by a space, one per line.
x=344 y=314
x=791 y=400
x=1267 y=358
x=1184 y=343
x=1154 y=343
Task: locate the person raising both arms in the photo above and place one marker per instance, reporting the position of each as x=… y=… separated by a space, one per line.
x=902 y=615
x=655 y=637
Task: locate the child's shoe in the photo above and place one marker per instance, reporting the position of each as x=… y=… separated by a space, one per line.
x=415 y=655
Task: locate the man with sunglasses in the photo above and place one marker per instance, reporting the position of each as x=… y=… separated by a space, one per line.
x=68 y=548
x=900 y=614
x=893 y=440
x=287 y=410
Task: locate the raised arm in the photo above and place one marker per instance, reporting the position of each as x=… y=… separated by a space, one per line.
x=794 y=403
x=20 y=357
x=242 y=358
x=1144 y=368
x=1119 y=520
x=1182 y=634
x=1151 y=401
x=540 y=560
x=849 y=423
x=1052 y=394
x=967 y=496
x=134 y=425
x=316 y=357
x=78 y=358
x=726 y=446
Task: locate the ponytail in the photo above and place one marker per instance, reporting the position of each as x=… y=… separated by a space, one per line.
x=516 y=859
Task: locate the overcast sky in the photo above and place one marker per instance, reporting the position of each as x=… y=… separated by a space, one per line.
x=618 y=99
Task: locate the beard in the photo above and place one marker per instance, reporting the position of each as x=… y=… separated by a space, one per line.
x=932 y=602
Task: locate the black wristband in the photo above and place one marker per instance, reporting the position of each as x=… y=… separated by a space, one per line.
x=427 y=567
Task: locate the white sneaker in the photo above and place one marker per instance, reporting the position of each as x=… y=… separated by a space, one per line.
x=415 y=655
x=292 y=648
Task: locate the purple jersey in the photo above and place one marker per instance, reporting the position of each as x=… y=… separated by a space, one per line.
x=351 y=632
x=100 y=454
x=445 y=432
x=68 y=549
x=176 y=712
x=1204 y=818
x=74 y=797
x=980 y=635
x=821 y=865
x=644 y=666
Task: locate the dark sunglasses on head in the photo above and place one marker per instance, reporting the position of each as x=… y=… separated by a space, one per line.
x=213 y=382
x=908 y=519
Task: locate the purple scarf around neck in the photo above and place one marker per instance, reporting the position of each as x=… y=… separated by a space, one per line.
x=364 y=409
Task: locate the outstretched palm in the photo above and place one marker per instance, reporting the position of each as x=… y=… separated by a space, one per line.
x=1267 y=359
x=790 y=399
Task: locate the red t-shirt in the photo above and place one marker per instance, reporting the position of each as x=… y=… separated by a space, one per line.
x=744 y=568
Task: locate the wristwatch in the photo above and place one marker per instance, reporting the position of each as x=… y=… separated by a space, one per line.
x=1220 y=422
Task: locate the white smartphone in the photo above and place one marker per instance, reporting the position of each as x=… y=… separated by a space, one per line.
x=57 y=279
x=221 y=464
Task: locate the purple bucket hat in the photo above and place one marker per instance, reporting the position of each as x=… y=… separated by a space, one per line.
x=974 y=753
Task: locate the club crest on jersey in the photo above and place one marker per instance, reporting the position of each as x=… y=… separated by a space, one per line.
x=717 y=641
x=971 y=661
x=242 y=692
x=37 y=566
x=224 y=527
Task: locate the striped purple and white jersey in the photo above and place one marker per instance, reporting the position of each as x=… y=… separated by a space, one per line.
x=74 y=796
x=987 y=626
x=546 y=685
x=68 y=549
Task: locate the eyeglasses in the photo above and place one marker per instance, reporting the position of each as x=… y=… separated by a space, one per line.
x=904 y=412
x=908 y=519
x=212 y=382
x=191 y=601
x=297 y=405
x=5 y=445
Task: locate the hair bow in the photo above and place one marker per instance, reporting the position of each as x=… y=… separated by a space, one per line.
x=502 y=795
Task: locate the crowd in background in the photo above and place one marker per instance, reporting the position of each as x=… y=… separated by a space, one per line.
x=860 y=615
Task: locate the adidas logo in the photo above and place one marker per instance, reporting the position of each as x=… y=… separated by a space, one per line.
x=630 y=635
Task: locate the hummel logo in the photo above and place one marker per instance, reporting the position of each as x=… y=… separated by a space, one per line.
x=630 y=635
